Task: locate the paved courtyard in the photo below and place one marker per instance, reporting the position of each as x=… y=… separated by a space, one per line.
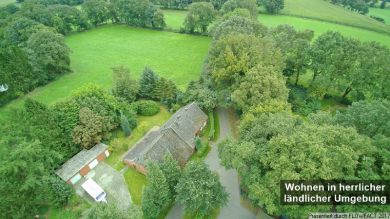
x=111 y=181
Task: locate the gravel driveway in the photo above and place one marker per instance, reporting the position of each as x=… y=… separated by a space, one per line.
x=229 y=179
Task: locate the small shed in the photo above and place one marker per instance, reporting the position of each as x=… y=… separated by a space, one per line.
x=83 y=162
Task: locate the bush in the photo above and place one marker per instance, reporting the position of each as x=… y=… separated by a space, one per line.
x=378 y=18
x=59 y=191
x=301 y=102
x=204 y=151
x=147 y=108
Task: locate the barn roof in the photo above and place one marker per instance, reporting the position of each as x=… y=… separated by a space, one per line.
x=176 y=136
x=80 y=160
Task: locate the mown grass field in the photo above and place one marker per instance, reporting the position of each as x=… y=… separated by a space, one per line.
x=175 y=56
x=135 y=182
x=323 y=10
x=383 y=13
x=6 y=2
x=175 y=19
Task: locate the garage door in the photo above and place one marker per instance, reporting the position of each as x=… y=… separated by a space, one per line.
x=75 y=179
x=93 y=164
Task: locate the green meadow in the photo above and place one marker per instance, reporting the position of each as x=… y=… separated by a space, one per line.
x=383 y=13
x=175 y=20
x=180 y=56
x=325 y=11
x=175 y=56
x=6 y=2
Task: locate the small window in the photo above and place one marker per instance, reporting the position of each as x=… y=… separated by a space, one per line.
x=93 y=164
x=75 y=179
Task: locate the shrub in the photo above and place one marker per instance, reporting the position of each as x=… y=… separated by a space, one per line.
x=59 y=191
x=378 y=18
x=147 y=108
x=198 y=143
x=301 y=102
x=125 y=125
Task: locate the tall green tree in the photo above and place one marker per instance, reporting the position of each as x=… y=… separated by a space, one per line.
x=237 y=24
x=261 y=85
x=368 y=117
x=165 y=90
x=20 y=29
x=147 y=83
x=172 y=172
x=48 y=55
x=233 y=56
x=91 y=129
x=67 y=18
x=295 y=46
x=124 y=86
x=23 y=172
x=217 y=3
x=97 y=11
x=284 y=148
x=199 y=190
x=205 y=97
x=250 y=5
x=156 y=196
x=273 y=6
x=200 y=15
x=125 y=125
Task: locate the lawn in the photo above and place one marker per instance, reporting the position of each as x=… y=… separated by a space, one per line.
x=323 y=10
x=121 y=144
x=176 y=56
x=6 y=2
x=175 y=19
x=383 y=13
x=135 y=182
x=320 y=27
x=73 y=210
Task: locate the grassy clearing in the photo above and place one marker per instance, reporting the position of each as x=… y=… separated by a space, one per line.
x=135 y=182
x=176 y=18
x=176 y=56
x=73 y=210
x=120 y=144
x=6 y=2
x=383 y=13
x=320 y=27
x=325 y=11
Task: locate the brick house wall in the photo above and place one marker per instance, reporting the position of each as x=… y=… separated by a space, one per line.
x=137 y=167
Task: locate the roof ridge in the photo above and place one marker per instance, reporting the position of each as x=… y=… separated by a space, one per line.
x=181 y=137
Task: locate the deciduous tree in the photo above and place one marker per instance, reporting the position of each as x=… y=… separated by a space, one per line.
x=250 y=5
x=199 y=17
x=156 y=196
x=97 y=11
x=48 y=55
x=91 y=129
x=199 y=190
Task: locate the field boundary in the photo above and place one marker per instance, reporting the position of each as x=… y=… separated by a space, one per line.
x=387 y=32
